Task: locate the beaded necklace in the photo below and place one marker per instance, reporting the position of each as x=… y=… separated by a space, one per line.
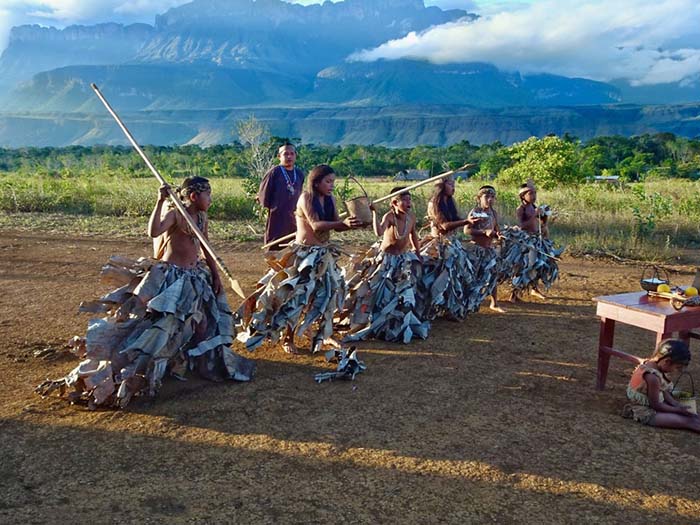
x=290 y=182
x=399 y=236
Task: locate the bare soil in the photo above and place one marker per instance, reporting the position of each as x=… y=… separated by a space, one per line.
x=495 y=419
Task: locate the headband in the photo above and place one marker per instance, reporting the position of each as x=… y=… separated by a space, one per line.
x=197 y=187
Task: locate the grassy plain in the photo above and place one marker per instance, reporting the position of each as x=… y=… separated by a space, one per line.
x=653 y=220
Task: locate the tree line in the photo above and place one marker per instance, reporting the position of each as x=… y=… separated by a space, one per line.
x=549 y=161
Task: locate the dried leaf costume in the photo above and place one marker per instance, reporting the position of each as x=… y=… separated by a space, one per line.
x=382 y=298
x=448 y=284
x=161 y=318
x=485 y=260
x=304 y=286
x=528 y=260
x=528 y=256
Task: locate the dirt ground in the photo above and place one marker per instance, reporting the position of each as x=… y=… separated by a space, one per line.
x=495 y=419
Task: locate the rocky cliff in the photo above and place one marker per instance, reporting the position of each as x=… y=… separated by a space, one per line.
x=389 y=126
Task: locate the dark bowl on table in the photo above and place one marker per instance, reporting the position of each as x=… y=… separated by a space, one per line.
x=650 y=285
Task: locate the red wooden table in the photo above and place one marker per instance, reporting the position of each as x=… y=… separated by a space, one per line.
x=638 y=309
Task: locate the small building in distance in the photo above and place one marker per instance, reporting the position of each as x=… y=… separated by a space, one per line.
x=607 y=179
x=411 y=174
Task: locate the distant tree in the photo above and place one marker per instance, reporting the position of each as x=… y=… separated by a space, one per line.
x=258 y=155
x=549 y=161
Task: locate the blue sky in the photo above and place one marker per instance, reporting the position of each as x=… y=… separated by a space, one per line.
x=642 y=41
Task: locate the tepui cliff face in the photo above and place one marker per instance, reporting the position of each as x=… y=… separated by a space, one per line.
x=205 y=64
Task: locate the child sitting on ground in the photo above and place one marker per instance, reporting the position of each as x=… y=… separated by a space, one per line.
x=649 y=389
x=305 y=285
x=168 y=315
x=381 y=300
x=483 y=234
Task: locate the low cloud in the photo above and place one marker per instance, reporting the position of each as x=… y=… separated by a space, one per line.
x=596 y=39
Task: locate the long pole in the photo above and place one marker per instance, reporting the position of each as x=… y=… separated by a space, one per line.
x=381 y=199
x=235 y=286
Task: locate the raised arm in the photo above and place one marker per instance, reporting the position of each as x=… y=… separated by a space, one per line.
x=381 y=226
x=157 y=223
x=322 y=226
x=448 y=226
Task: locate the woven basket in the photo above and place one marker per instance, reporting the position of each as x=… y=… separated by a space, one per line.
x=359 y=206
x=689 y=402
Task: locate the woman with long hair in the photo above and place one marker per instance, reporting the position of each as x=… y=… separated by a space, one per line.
x=305 y=285
x=448 y=274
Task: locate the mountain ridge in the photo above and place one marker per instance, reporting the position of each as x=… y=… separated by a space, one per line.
x=396 y=126
x=243 y=56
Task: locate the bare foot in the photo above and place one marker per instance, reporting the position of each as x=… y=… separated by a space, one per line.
x=289 y=347
x=497 y=308
x=535 y=292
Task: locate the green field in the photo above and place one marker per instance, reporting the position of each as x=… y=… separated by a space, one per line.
x=656 y=219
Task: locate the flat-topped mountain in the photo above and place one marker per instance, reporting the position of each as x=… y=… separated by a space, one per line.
x=240 y=57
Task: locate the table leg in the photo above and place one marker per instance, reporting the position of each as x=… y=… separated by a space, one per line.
x=607 y=335
x=684 y=336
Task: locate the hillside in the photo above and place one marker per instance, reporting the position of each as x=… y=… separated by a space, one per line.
x=389 y=126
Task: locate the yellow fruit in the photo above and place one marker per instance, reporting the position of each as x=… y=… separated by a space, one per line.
x=663 y=288
x=690 y=291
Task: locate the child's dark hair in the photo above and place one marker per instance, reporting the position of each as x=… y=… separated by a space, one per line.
x=317 y=174
x=445 y=206
x=192 y=185
x=674 y=349
x=524 y=188
x=484 y=190
x=399 y=188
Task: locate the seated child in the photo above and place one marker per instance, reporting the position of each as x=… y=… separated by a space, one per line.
x=483 y=233
x=649 y=389
x=169 y=314
x=381 y=300
x=448 y=275
x=305 y=285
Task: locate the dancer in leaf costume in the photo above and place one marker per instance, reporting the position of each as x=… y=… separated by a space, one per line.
x=305 y=286
x=382 y=290
x=168 y=314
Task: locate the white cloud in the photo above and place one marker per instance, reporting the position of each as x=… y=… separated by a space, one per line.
x=594 y=39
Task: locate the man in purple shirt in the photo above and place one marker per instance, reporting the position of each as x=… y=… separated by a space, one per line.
x=279 y=192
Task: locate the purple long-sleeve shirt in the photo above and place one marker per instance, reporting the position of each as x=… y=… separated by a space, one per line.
x=274 y=195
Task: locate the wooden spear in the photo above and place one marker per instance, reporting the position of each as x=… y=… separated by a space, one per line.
x=381 y=199
x=235 y=286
